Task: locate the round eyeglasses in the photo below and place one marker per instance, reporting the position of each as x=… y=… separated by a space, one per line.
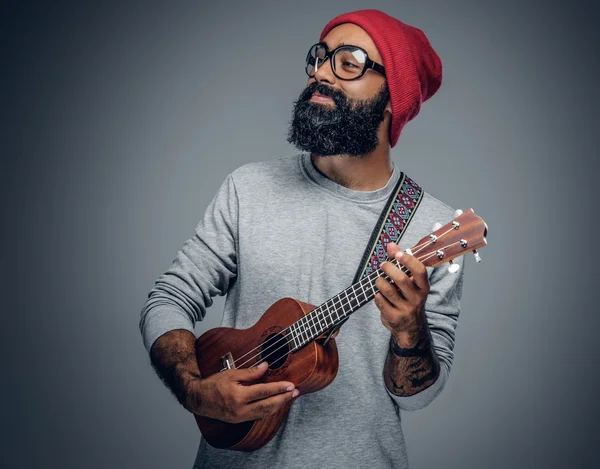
x=347 y=62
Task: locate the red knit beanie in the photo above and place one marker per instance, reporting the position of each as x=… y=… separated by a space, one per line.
x=413 y=69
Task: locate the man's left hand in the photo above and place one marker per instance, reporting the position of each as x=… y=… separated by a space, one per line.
x=402 y=303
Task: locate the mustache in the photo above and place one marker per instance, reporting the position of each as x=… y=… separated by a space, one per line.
x=338 y=96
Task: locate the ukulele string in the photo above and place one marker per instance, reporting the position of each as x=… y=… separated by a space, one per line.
x=310 y=317
x=318 y=317
x=287 y=341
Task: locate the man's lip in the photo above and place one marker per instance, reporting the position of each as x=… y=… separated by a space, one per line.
x=319 y=98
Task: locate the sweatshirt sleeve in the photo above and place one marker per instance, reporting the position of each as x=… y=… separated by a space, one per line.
x=205 y=266
x=441 y=309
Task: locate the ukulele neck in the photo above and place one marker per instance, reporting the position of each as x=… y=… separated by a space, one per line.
x=337 y=308
x=465 y=233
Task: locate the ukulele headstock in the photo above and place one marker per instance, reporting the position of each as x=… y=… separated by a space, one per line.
x=465 y=233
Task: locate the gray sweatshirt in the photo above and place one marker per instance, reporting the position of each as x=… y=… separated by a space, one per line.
x=280 y=228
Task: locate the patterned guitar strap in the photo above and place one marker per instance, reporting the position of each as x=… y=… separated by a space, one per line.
x=395 y=217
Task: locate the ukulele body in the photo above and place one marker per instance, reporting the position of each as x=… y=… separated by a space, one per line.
x=310 y=368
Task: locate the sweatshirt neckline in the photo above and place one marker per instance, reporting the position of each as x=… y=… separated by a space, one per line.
x=317 y=177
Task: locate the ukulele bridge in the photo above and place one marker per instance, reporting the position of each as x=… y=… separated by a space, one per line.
x=227 y=362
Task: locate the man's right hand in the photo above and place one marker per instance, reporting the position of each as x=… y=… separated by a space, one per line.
x=229 y=396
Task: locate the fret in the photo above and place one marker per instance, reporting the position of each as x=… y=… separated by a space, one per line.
x=302 y=331
x=314 y=317
x=311 y=323
x=333 y=321
x=322 y=323
x=355 y=295
x=355 y=298
x=338 y=298
x=341 y=305
x=314 y=320
x=371 y=288
x=362 y=287
x=293 y=336
x=305 y=336
x=307 y=328
x=298 y=334
x=299 y=328
x=337 y=315
x=371 y=284
x=325 y=313
x=319 y=322
x=364 y=292
x=331 y=309
x=349 y=301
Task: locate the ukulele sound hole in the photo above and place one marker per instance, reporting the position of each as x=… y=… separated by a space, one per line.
x=275 y=350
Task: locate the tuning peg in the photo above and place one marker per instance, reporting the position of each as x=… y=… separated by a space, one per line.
x=453 y=268
x=436 y=226
x=458 y=213
x=477 y=256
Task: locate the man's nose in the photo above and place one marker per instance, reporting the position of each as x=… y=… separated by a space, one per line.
x=324 y=72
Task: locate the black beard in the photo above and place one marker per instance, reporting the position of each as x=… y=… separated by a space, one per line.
x=348 y=128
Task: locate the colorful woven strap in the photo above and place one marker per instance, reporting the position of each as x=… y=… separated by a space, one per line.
x=394 y=219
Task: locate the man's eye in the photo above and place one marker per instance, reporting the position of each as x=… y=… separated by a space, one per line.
x=349 y=64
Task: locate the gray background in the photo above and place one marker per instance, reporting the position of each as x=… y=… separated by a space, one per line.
x=121 y=121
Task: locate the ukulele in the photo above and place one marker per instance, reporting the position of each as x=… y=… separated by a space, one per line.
x=295 y=337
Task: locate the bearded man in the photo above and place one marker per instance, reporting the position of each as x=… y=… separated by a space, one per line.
x=297 y=227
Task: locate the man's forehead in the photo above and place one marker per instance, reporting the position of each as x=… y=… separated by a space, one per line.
x=352 y=34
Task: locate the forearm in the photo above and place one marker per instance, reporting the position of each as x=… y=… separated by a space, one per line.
x=411 y=364
x=173 y=357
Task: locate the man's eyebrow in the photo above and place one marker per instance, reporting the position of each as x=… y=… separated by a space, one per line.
x=331 y=48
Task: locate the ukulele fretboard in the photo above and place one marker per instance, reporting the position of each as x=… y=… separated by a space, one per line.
x=336 y=309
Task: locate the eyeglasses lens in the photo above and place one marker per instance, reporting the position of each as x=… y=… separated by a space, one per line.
x=348 y=61
x=315 y=56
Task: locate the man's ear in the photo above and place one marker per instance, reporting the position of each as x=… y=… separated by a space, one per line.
x=388 y=108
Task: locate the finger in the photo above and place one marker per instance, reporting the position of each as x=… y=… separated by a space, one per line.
x=256 y=392
x=390 y=316
x=416 y=267
x=396 y=295
x=266 y=407
x=253 y=373
x=403 y=284
x=392 y=249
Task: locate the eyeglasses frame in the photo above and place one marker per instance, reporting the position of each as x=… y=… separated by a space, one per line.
x=369 y=64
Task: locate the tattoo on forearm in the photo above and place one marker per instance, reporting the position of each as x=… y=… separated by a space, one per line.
x=408 y=371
